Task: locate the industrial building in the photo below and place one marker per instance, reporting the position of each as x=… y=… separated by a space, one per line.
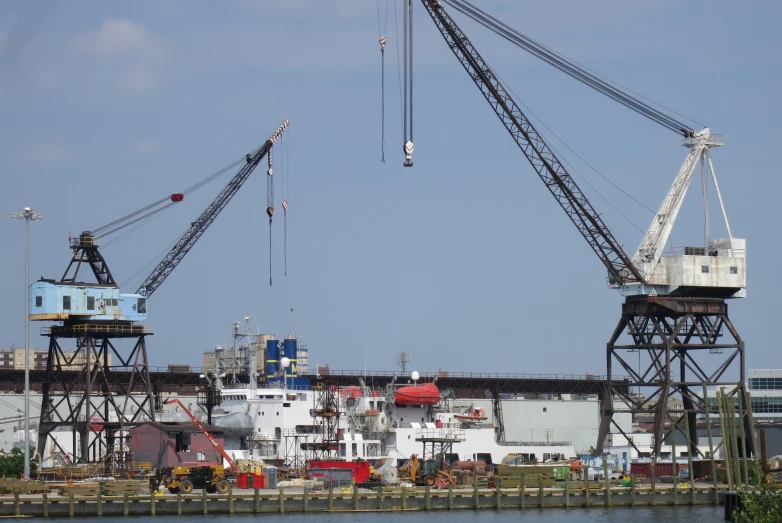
x=169 y=444
x=14 y=359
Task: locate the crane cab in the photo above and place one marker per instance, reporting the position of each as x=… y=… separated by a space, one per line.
x=57 y=301
x=718 y=271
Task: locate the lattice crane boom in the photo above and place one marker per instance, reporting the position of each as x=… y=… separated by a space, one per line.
x=199 y=226
x=559 y=182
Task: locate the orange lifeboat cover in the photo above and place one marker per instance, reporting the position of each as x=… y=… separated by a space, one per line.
x=424 y=394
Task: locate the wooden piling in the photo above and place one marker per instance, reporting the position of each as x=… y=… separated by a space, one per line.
x=743 y=433
x=231 y=499
x=282 y=500
x=450 y=496
x=306 y=499
x=567 y=490
x=691 y=475
x=331 y=495
x=256 y=501
x=753 y=438
x=632 y=489
x=70 y=503
x=404 y=497
x=45 y=505
x=607 y=483
x=16 y=504
x=540 y=491
x=675 y=467
x=586 y=486
x=427 y=498
x=498 y=494
x=203 y=501
x=654 y=480
x=521 y=492
x=355 y=497
x=707 y=413
x=152 y=502
x=179 y=503
x=725 y=438
x=475 y=491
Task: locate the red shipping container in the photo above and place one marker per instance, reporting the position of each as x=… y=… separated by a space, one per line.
x=241 y=481
x=660 y=469
x=360 y=468
x=259 y=481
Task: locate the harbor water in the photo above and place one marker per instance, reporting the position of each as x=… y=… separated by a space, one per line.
x=697 y=514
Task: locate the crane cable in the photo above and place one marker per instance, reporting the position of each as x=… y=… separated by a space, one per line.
x=285 y=167
x=407 y=27
x=574 y=69
x=270 y=207
x=173 y=199
x=382 y=41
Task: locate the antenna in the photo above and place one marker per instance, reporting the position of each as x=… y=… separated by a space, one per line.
x=291 y=334
x=402 y=359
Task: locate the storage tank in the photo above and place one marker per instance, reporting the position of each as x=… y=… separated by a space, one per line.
x=272 y=359
x=290 y=351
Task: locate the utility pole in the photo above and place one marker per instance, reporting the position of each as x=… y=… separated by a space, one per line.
x=27 y=214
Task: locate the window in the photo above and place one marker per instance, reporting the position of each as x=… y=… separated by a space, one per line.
x=284 y=405
x=142 y=305
x=704 y=269
x=182 y=443
x=544 y=409
x=39 y=301
x=66 y=303
x=734 y=270
x=90 y=303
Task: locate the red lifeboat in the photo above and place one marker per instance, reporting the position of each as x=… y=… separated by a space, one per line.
x=425 y=394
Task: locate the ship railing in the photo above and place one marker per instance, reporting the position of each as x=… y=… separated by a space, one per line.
x=449 y=374
x=536 y=443
x=450 y=434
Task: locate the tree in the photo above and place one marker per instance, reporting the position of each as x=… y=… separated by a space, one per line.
x=12 y=465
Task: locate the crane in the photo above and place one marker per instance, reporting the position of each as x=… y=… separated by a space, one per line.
x=70 y=300
x=97 y=316
x=215 y=444
x=674 y=304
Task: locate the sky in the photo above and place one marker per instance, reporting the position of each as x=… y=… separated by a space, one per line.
x=464 y=260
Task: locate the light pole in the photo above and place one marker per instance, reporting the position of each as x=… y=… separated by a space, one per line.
x=27 y=214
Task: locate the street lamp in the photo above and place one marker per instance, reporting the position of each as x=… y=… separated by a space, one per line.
x=27 y=214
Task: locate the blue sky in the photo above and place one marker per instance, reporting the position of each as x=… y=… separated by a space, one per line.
x=465 y=260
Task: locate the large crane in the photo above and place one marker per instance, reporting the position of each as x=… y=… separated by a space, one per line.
x=98 y=316
x=103 y=300
x=674 y=303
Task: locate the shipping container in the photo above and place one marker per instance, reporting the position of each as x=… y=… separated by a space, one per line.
x=360 y=469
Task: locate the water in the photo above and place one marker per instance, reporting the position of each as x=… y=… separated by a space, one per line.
x=702 y=514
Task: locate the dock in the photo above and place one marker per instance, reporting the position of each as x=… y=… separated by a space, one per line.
x=383 y=499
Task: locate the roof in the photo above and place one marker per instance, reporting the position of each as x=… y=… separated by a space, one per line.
x=178 y=427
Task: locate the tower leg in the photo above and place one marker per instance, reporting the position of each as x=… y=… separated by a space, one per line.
x=82 y=390
x=683 y=343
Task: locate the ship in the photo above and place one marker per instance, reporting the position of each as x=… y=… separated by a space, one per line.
x=286 y=422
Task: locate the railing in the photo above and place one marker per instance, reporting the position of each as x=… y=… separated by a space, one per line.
x=99 y=329
x=450 y=434
x=469 y=375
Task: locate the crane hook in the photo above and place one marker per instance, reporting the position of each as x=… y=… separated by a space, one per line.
x=409 y=148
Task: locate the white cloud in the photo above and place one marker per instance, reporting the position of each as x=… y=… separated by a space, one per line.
x=145 y=147
x=116 y=36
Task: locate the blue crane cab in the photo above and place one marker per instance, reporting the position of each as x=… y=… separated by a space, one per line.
x=58 y=301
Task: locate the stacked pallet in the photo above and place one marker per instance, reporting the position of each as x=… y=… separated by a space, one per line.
x=80 y=489
x=12 y=486
x=120 y=488
x=509 y=476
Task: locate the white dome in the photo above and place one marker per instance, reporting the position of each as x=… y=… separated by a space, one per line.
x=414 y=375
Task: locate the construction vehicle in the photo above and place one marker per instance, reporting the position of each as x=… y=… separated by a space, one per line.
x=188 y=476
x=426 y=473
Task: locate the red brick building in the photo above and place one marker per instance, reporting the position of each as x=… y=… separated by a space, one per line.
x=168 y=444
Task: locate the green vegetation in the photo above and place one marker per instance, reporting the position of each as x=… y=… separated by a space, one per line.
x=12 y=465
x=761 y=503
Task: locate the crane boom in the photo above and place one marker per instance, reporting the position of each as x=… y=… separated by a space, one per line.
x=559 y=182
x=199 y=226
x=651 y=248
x=211 y=439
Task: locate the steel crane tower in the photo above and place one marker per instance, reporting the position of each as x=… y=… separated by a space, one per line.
x=99 y=390
x=675 y=306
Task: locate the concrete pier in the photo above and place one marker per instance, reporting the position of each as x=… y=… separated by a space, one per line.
x=298 y=500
